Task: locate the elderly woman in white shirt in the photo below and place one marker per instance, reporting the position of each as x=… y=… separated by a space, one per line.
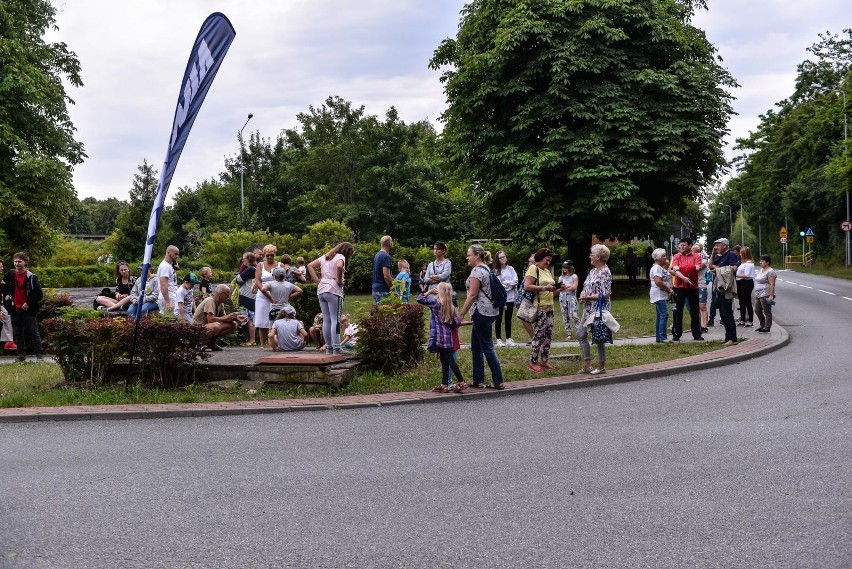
x=661 y=291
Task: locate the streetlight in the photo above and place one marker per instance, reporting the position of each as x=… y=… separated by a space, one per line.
x=730 y=218
x=845 y=143
x=242 y=168
x=742 y=224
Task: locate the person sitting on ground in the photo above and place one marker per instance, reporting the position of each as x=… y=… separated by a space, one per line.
x=402 y=281
x=211 y=314
x=350 y=332
x=186 y=298
x=315 y=332
x=149 y=300
x=118 y=299
x=287 y=334
x=206 y=285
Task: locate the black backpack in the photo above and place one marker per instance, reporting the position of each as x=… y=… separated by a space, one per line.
x=498 y=293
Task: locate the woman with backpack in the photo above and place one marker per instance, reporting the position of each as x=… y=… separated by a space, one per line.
x=539 y=281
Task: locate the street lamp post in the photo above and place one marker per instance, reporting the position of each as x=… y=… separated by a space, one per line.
x=742 y=224
x=845 y=143
x=242 y=169
x=730 y=218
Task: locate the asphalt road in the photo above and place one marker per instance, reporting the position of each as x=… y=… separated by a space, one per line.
x=747 y=466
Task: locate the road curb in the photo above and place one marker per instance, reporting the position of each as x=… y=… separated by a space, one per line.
x=750 y=349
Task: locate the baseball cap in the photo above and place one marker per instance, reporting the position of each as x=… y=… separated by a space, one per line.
x=289 y=310
x=568 y=263
x=278 y=272
x=722 y=240
x=190 y=278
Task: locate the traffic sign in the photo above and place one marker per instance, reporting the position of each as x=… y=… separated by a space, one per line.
x=809 y=231
x=846 y=226
x=809 y=238
x=783 y=240
x=782 y=233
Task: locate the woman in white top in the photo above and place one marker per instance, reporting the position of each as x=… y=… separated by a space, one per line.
x=507 y=275
x=262 y=276
x=745 y=286
x=332 y=267
x=439 y=270
x=661 y=290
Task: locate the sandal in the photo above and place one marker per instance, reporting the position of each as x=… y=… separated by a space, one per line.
x=461 y=387
x=477 y=385
x=497 y=386
x=535 y=368
x=546 y=365
x=441 y=389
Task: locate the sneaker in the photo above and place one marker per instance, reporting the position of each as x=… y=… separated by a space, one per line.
x=762 y=330
x=499 y=343
x=675 y=338
x=748 y=324
x=730 y=343
x=666 y=341
x=585 y=370
x=698 y=339
x=535 y=368
x=510 y=343
x=705 y=330
x=598 y=371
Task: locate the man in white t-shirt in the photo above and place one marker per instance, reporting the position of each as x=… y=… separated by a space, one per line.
x=167 y=277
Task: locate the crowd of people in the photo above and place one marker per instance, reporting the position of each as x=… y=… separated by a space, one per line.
x=266 y=285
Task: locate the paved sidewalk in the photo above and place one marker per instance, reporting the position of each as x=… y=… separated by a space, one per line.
x=757 y=345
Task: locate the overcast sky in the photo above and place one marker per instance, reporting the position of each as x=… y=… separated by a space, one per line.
x=289 y=54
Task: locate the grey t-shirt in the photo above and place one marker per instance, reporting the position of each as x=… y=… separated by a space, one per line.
x=287 y=331
x=482 y=304
x=280 y=292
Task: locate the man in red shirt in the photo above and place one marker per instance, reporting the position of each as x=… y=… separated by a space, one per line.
x=685 y=267
x=21 y=294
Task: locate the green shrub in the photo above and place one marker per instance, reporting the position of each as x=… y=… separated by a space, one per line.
x=391 y=336
x=75 y=252
x=76 y=277
x=224 y=249
x=87 y=345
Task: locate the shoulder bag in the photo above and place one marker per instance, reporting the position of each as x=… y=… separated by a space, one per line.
x=528 y=310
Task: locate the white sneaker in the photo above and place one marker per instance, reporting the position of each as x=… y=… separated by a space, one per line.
x=499 y=343
x=510 y=343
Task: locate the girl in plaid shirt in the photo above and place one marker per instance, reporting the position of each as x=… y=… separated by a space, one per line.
x=443 y=335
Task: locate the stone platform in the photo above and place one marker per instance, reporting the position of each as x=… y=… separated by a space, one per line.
x=257 y=367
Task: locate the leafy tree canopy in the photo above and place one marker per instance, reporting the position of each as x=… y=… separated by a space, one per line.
x=608 y=113
x=37 y=146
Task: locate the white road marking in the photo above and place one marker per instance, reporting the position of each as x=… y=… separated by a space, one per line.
x=846 y=297
x=806 y=286
x=791 y=282
x=826 y=292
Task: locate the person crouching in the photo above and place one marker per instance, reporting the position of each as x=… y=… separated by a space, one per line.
x=211 y=314
x=287 y=333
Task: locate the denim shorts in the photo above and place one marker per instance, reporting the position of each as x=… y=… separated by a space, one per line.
x=702 y=296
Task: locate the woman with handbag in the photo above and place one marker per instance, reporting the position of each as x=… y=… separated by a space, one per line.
x=539 y=281
x=598 y=285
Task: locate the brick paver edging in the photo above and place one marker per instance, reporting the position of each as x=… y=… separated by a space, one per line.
x=729 y=355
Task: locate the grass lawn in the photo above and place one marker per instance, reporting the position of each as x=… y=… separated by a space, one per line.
x=35 y=384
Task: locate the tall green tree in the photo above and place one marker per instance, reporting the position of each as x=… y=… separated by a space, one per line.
x=37 y=146
x=795 y=167
x=585 y=116
x=376 y=176
x=131 y=227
